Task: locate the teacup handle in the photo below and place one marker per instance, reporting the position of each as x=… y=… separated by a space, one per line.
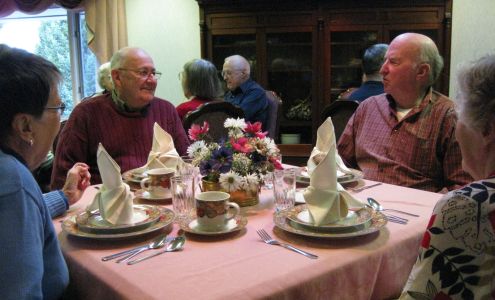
x=144 y=182
x=235 y=206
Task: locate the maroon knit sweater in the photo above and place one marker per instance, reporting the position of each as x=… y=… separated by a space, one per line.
x=127 y=137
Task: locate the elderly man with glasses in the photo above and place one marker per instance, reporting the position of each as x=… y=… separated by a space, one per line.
x=122 y=121
x=243 y=91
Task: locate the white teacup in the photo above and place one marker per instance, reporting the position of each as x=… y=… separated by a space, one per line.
x=212 y=210
x=157 y=184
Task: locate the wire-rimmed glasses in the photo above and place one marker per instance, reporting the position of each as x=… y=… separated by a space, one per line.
x=143 y=73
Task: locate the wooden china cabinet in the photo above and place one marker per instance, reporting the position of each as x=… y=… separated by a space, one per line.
x=309 y=51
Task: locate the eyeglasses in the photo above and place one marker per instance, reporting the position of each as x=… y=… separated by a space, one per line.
x=60 y=108
x=229 y=73
x=144 y=74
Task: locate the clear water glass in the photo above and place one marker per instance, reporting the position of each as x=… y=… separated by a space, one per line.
x=284 y=188
x=183 y=191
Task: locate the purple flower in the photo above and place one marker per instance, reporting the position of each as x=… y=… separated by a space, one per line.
x=221 y=160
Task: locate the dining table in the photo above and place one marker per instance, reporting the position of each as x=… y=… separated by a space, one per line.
x=239 y=265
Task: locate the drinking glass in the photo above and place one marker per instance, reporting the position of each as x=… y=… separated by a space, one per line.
x=183 y=195
x=284 y=188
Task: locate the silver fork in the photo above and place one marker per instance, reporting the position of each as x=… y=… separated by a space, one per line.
x=268 y=240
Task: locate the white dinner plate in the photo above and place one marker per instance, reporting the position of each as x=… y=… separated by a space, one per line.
x=282 y=221
x=303 y=177
x=69 y=225
x=354 y=221
x=143 y=216
x=134 y=175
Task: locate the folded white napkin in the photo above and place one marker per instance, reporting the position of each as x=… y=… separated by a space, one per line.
x=163 y=153
x=326 y=199
x=114 y=198
x=324 y=137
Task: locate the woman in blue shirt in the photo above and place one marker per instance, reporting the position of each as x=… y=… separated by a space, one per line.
x=32 y=265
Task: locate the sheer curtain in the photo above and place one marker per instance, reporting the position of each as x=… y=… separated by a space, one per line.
x=105 y=20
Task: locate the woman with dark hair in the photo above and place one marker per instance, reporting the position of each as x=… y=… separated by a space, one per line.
x=32 y=266
x=200 y=83
x=457 y=254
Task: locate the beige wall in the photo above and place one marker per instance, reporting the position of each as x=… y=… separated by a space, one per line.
x=168 y=30
x=473 y=27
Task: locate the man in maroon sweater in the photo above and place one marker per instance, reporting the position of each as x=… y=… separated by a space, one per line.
x=122 y=120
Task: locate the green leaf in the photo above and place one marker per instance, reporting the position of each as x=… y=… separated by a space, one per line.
x=473 y=280
x=456 y=288
x=453 y=251
x=469 y=269
x=462 y=259
x=435 y=230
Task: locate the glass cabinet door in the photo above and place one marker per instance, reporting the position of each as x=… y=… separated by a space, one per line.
x=346 y=52
x=289 y=64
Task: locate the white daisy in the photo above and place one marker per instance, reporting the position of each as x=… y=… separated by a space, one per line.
x=230 y=181
x=238 y=123
x=250 y=182
x=195 y=148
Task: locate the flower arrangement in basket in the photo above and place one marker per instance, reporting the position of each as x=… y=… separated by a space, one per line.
x=238 y=162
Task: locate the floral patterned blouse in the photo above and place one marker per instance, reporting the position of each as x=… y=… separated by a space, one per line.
x=457 y=255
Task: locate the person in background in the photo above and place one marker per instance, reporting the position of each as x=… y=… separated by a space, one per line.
x=406 y=136
x=243 y=91
x=105 y=78
x=372 y=80
x=457 y=252
x=122 y=121
x=200 y=84
x=32 y=265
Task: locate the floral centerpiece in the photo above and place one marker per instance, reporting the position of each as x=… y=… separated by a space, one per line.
x=239 y=161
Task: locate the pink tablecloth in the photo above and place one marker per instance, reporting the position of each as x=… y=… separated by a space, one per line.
x=240 y=266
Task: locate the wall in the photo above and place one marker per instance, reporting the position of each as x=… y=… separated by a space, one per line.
x=472 y=34
x=168 y=30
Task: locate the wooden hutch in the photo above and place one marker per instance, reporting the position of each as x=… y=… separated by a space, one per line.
x=310 y=51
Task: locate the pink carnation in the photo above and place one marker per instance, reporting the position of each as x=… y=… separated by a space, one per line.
x=197 y=132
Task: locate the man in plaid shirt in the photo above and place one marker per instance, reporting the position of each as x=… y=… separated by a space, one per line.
x=406 y=135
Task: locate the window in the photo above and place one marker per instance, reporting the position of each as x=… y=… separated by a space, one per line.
x=59 y=36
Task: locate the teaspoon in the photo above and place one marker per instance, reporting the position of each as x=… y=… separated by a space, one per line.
x=378 y=207
x=175 y=245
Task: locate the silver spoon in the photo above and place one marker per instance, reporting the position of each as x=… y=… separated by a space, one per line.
x=175 y=244
x=377 y=206
x=157 y=243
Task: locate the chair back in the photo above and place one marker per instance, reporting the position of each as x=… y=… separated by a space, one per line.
x=340 y=111
x=215 y=113
x=274 y=103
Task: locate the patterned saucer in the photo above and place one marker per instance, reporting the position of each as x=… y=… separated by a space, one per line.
x=143 y=194
x=190 y=224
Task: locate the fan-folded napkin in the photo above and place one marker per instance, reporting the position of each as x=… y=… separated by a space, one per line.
x=114 y=198
x=163 y=153
x=326 y=199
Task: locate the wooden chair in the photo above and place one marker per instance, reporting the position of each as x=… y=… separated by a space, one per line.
x=274 y=111
x=340 y=111
x=215 y=113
